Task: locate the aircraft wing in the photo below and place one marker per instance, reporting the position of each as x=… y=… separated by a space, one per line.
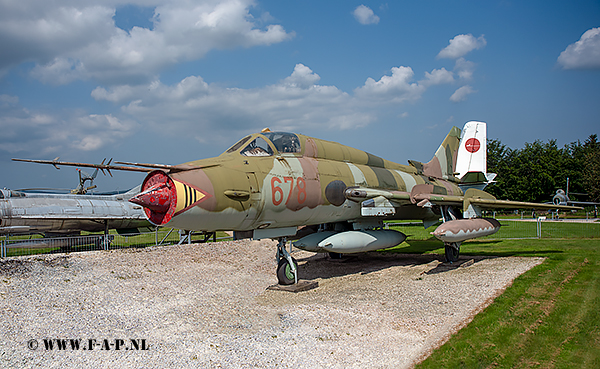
x=422 y=195
x=484 y=200
x=132 y=167
x=507 y=204
x=583 y=203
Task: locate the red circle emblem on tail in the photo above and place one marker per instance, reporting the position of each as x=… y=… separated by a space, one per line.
x=472 y=145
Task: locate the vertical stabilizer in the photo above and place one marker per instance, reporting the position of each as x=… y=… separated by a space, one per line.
x=471 y=162
x=443 y=163
x=472 y=153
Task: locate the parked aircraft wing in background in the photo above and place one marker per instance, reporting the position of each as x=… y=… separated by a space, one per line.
x=61 y=214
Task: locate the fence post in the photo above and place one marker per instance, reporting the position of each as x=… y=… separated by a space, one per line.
x=539 y=226
x=3 y=251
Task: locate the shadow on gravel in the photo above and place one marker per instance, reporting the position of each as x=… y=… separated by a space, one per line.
x=11 y=267
x=322 y=266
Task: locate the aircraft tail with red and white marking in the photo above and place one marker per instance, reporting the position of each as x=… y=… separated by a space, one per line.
x=461 y=158
x=471 y=159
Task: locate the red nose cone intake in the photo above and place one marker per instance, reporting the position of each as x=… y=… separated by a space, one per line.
x=158 y=197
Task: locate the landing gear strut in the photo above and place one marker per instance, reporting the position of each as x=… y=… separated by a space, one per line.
x=287 y=266
x=452 y=251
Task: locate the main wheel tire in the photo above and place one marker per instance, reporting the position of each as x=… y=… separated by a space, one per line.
x=335 y=255
x=451 y=254
x=285 y=275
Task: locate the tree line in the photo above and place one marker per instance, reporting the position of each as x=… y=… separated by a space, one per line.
x=536 y=171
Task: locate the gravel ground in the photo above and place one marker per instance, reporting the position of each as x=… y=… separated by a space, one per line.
x=207 y=305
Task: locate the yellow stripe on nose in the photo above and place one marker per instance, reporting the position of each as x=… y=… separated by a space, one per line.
x=186 y=196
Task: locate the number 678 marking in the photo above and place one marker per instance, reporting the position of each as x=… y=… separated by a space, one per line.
x=278 y=194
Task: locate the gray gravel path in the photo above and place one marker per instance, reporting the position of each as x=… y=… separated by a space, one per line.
x=206 y=306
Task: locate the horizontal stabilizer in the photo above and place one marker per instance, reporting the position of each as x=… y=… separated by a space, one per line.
x=474 y=177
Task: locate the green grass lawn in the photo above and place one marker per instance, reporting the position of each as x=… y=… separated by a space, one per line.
x=548 y=318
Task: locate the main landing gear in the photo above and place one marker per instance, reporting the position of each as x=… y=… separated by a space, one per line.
x=287 y=266
x=452 y=251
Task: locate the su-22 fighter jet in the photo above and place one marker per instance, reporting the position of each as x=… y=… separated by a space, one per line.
x=326 y=196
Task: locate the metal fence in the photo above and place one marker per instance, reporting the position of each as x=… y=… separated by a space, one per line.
x=34 y=244
x=511 y=229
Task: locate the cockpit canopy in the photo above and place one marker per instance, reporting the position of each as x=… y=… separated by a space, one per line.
x=266 y=143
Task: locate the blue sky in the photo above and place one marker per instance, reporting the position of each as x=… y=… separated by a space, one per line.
x=174 y=81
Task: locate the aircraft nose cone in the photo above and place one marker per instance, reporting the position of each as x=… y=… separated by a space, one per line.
x=157 y=198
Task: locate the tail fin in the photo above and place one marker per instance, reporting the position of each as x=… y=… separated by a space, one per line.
x=461 y=157
x=443 y=163
x=471 y=162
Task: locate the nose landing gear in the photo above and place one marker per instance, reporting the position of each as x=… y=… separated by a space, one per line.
x=287 y=266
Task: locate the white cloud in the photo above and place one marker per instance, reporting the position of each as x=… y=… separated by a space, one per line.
x=37 y=31
x=461 y=93
x=583 y=54
x=71 y=40
x=7 y=101
x=94 y=131
x=209 y=113
x=461 y=45
x=464 y=68
x=394 y=88
x=296 y=103
x=49 y=133
x=438 y=77
x=364 y=15
x=302 y=77
x=192 y=107
x=60 y=71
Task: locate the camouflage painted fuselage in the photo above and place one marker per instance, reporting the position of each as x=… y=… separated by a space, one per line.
x=240 y=191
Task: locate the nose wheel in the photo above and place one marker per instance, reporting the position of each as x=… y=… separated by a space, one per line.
x=287 y=266
x=286 y=271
